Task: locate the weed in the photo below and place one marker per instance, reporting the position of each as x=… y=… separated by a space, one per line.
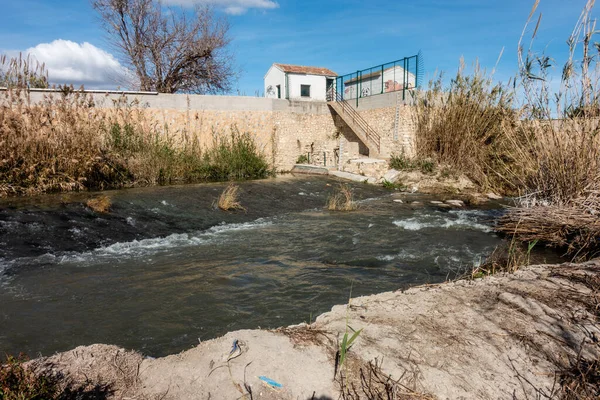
x=302 y=159
x=402 y=163
x=228 y=200
x=347 y=340
x=342 y=199
x=507 y=257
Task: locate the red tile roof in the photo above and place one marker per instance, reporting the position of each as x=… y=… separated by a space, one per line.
x=299 y=69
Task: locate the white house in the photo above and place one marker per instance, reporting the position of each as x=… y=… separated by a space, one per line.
x=377 y=82
x=296 y=82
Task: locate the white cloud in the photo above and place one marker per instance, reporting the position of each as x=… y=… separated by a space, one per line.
x=68 y=62
x=235 y=7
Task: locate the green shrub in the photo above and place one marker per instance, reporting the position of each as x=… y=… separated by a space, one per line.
x=402 y=163
x=302 y=159
x=234 y=158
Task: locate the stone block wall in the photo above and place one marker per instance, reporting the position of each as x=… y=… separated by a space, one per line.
x=283 y=130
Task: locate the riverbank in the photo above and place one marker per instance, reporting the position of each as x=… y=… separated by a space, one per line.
x=497 y=337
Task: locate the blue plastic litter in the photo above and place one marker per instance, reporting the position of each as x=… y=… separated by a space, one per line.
x=270 y=382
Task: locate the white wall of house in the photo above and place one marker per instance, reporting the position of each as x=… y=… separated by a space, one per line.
x=275 y=77
x=393 y=80
x=317 y=86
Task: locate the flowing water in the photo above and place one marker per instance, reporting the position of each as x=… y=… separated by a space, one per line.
x=165 y=268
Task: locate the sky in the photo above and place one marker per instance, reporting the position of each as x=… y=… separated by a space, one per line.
x=342 y=35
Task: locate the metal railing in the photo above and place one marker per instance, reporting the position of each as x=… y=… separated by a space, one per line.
x=400 y=75
x=351 y=115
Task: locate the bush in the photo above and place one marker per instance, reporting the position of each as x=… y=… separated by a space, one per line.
x=402 y=163
x=234 y=158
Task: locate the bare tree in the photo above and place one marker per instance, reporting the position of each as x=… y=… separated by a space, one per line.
x=169 y=50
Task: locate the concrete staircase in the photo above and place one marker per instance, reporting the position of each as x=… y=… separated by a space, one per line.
x=358 y=125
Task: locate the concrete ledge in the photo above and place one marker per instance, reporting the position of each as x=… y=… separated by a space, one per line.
x=353 y=177
x=309 y=169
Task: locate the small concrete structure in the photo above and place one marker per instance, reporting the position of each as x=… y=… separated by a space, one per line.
x=296 y=82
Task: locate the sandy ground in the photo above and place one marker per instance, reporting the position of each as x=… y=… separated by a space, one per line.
x=494 y=338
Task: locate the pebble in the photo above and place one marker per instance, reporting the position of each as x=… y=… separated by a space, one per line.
x=493 y=196
x=398 y=201
x=456 y=203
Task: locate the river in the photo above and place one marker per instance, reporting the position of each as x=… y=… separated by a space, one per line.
x=165 y=268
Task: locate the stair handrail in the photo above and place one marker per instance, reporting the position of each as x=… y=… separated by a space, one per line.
x=357 y=119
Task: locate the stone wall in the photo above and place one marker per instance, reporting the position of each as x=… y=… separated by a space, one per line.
x=282 y=129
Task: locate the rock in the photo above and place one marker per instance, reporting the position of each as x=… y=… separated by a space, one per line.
x=391 y=176
x=437 y=202
x=398 y=201
x=474 y=199
x=493 y=196
x=456 y=203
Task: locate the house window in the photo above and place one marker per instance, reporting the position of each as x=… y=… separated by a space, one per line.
x=305 y=90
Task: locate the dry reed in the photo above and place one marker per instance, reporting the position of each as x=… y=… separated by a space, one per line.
x=66 y=143
x=342 y=199
x=458 y=125
x=229 y=199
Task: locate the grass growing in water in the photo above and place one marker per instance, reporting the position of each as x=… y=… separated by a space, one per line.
x=342 y=199
x=229 y=199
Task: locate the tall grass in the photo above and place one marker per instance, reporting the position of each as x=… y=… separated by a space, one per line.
x=66 y=143
x=22 y=72
x=534 y=137
x=459 y=124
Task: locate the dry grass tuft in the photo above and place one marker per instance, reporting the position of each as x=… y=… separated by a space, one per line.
x=228 y=200
x=100 y=204
x=342 y=199
x=507 y=257
x=374 y=384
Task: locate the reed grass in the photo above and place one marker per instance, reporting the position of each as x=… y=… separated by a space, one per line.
x=342 y=199
x=66 y=143
x=458 y=125
x=527 y=138
x=229 y=199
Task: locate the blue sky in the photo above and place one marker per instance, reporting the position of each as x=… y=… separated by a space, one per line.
x=341 y=35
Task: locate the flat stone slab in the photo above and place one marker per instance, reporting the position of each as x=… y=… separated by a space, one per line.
x=309 y=169
x=367 y=160
x=353 y=177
